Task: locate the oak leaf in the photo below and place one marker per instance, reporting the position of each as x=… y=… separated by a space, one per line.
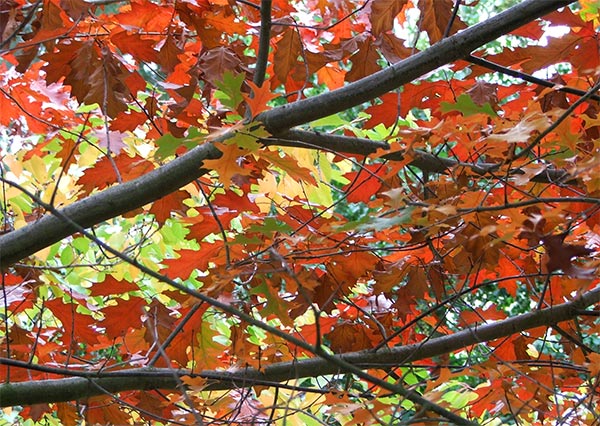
x=230 y=164
x=435 y=17
x=287 y=51
x=104 y=172
x=348 y=337
x=257 y=102
x=560 y=256
x=383 y=14
x=165 y=206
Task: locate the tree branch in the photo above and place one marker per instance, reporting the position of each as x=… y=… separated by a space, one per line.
x=109 y=203
x=264 y=42
x=476 y=60
x=59 y=390
x=422 y=160
x=445 y=51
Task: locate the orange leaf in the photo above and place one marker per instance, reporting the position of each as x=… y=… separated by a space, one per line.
x=229 y=165
x=190 y=260
x=290 y=166
x=257 y=102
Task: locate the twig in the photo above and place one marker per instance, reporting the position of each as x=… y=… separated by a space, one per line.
x=526 y=77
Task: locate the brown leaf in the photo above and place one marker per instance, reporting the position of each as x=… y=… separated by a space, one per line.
x=553 y=98
x=560 y=256
x=436 y=15
x=107 y=85
x=533 y=230
x=76 y=9
x=364 y=61
x=348 y=337
x=168 y=54
x=483 y=93
x=10 y=18
x=383 y=13
x=286 y=54
x=214 y=62
x=392 y=48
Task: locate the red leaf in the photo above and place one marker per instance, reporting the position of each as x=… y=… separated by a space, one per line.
x=77 y=328
x=163 y=207
x=110 y=286
x=386 y=113
x=118 y=319
x=364 y=183
x=138 y=47
x=190 y=260
x=235 y=202
x=103 y=173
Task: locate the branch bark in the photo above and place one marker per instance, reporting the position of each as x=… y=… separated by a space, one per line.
x=423 y=160
x=60 y=390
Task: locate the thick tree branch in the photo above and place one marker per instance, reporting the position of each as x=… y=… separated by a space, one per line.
x=117 y=200
x=110 y=203
x=445 y=51
x=27 y=393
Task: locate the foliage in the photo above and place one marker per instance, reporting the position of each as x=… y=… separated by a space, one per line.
x=183 y=243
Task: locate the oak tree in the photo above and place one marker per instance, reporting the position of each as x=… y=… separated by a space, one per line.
x=310 y=212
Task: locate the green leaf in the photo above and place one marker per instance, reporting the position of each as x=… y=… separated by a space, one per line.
x=270 y=226
x=465 y=105
x=230 y=93
x=167 y=145
x=248 y=137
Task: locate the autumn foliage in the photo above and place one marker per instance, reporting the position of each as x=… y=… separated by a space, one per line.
x=339 y=212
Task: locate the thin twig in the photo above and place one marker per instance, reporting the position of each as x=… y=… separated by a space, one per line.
x=476 y=60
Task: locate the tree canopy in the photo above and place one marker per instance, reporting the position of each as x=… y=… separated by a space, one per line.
x=343 y=212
